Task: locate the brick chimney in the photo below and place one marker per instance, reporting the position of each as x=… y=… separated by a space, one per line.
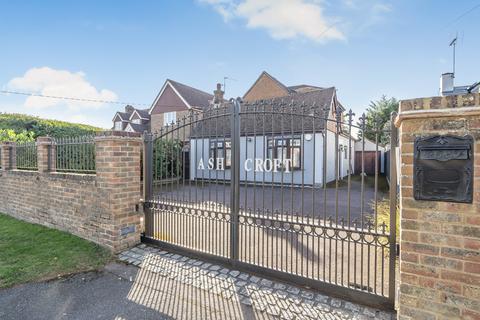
x=218 y=95
x=129 y=108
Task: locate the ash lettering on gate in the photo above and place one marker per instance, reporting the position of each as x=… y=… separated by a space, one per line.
x=257 y=165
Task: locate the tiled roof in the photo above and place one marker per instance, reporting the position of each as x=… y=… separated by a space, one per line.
x=143 y=113
x=139 y=127
x=124 y=115
x=194 y=97
x=289 y=115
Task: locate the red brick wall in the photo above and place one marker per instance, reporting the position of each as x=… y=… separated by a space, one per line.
x=101 y=207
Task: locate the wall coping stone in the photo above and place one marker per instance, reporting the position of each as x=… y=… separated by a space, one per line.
x=55 y=175
x=113 y=133
x=72 y=176
x=449 y=106
x=442 y=113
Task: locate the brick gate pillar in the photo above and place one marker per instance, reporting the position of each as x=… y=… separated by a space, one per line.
x=8 y=156
x=46 y=158
x=118 y=177
x=439 y=241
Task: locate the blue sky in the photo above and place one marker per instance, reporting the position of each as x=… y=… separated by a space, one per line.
x=124 y=50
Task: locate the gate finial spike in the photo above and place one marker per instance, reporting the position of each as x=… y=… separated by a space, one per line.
x=362 y=121
x=350 y=116
x=326 y=112
x=355 y=223
x=384 y=227
x=377 y=121
x=313 y=108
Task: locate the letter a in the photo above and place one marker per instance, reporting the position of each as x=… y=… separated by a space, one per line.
x=200 y=165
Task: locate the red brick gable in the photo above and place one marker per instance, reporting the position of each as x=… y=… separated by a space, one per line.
x=168 y=101
x=266 y=87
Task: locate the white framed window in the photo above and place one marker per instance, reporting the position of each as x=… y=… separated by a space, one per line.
x=137 y=121
x=118 y=125
x=169 y=118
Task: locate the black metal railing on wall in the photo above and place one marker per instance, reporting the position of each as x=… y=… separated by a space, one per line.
x=26 y=155
x=75 y=154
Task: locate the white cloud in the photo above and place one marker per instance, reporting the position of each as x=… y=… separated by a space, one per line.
x=226 y=8
x=283 y=19
x=61 y=83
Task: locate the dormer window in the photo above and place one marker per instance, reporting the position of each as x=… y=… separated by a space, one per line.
x=118 y=125
x=137 y=121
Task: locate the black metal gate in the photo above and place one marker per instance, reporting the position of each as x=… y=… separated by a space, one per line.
x=271 y=188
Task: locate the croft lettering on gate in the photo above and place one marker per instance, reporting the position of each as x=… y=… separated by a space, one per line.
x=257 y=165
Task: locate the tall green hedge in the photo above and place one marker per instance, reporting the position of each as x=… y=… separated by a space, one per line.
x=41 y=127
x=12 y=136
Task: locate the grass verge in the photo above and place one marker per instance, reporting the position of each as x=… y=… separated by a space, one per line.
x=30 y=252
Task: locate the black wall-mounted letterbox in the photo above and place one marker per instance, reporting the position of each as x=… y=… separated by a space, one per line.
x=443 y=168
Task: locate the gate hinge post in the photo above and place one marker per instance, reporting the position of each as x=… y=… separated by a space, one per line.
x=235 y=180
x=393 y=207
x=147 y=166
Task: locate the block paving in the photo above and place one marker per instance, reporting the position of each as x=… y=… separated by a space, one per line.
x=270 y=299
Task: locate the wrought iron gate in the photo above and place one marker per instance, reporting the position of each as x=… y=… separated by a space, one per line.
x=271 y=188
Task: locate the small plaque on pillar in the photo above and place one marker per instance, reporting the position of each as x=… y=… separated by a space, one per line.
x=443 y=168
x=127 y=230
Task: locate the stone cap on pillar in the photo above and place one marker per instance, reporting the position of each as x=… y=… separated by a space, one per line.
x=108 y=135
x=448 y=106
x=44 y=141
x=8 y=143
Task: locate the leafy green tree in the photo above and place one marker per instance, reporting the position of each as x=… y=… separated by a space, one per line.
x=11 y=135
x=377 y=119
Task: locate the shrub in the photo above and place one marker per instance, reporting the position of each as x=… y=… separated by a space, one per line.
x=167 y=155
x=11 y=135
x=42 y=127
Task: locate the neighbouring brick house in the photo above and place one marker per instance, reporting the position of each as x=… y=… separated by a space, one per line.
x=131 y=120
x=174 y=101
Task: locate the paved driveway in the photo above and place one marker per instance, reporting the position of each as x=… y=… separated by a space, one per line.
x=287 y=200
